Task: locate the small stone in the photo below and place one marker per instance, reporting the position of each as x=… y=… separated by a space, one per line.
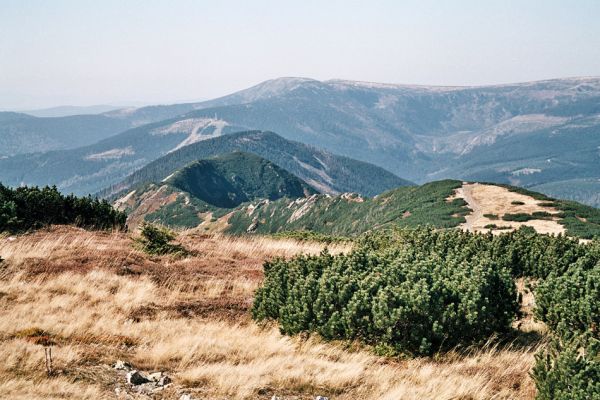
x=155 y=376
x=186 y=397
x=321 y=398
x=135 y=378
x=122 y=365
x=275 y=398
x=164 y=381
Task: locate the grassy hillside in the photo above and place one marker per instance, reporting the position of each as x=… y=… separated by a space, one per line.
x=102 y=300
x=326 y=172
x=436 y=204
x=351 y=214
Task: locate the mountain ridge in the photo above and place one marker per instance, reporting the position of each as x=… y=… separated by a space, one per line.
x=324 y=171
x=502 y=133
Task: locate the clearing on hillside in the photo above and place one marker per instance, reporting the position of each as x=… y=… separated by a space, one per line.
x=490 y=204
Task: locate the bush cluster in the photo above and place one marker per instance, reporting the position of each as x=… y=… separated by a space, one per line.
x=569 y=303
x=416 y=291
x=420 y=291
x=157 y=240
x=26 y=208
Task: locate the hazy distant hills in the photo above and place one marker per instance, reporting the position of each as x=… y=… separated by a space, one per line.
x=23 y=133
x=543 y=135
x=418 y=132
x=534 y=134
x=65 y=111
x=91 y=168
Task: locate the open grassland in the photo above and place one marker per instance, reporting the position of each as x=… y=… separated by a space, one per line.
x=100 y=300
x=490 y=204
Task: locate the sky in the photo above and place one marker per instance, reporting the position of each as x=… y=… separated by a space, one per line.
x=84 y=52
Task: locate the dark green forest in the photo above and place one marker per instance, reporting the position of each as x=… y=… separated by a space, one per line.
x=26 y=208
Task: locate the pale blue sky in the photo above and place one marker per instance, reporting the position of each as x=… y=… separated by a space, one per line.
x=92 y=52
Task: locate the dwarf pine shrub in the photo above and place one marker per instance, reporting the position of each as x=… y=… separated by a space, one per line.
x=415 y=291
x=568 y=370
x=157 y=240
x=569 y=304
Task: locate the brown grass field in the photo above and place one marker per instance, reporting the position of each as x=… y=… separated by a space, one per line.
x=100 y=301
x=485 y=199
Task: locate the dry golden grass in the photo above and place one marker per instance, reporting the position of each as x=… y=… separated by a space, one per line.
x=491 y=199
x=101 y=301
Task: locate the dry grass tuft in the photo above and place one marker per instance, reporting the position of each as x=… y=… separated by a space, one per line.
x=100 y=301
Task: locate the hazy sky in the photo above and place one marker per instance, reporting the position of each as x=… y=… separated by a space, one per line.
x=92 y=52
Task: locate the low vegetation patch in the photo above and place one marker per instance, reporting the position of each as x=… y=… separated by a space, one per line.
x=524 y=217
x=157 y=240
x=497 y=227
x=491 y=216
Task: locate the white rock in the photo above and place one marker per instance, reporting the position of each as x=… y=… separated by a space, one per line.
x=163 y=381
x=122 y=365
x=136 y=378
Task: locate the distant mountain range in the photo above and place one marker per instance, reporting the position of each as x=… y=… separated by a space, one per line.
x=65 y=111
x=543 y=135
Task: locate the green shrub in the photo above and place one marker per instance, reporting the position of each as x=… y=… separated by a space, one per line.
x=569 y=371
x=541 y=215
x=517 y=203
x=569 y=303
x=310 y=236
x=496 y=227
x=157 y=240
x=415 y=291
x=547 y=204
x=491 y=216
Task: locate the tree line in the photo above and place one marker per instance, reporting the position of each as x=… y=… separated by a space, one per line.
x=26 y=208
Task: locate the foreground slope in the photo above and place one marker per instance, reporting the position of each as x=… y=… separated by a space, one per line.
x=326 y=172
x=102 y=301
